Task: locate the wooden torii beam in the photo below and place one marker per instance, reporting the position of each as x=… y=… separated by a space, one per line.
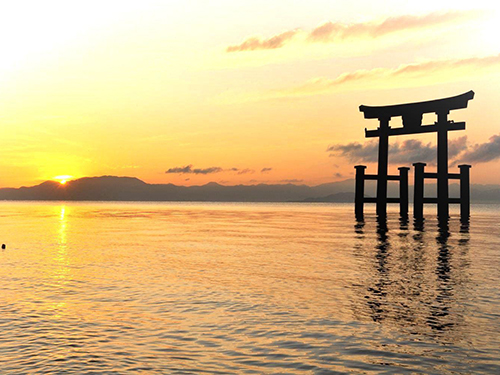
x=412 y=114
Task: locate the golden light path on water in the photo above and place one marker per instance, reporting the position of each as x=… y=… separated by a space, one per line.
x=245 y=288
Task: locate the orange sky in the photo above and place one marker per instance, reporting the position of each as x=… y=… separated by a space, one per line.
x=235 y=91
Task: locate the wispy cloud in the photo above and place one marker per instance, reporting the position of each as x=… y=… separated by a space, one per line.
x=266 y=169
x=331 y=32
x=256 y=43
x=189 y=169
x=417 y=73
x=457 y=146
x=242 y=171
x=406 y=75
x=356 y=152
x=408 y=151
x=482 y=152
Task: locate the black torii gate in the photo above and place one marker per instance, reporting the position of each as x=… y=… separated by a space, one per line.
x=412 y=124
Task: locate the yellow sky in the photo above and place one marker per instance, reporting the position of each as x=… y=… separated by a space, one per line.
x=232 y=91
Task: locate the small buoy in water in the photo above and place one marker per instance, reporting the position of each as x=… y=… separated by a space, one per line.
x=3 y=246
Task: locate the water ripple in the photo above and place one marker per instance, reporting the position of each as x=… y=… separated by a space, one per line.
x=238 y=288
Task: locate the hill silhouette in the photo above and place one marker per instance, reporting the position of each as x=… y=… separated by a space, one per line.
x=112 y=188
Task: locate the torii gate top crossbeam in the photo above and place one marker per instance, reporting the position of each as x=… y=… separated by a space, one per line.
x=411 y=109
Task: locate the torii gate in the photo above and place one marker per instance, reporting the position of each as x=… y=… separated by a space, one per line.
x=412 y=124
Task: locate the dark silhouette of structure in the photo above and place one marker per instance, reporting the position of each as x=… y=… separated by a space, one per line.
x=412 y=114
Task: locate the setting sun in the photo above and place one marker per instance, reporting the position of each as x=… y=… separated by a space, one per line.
x=63 y=179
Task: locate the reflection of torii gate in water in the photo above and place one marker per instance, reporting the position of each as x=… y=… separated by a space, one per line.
x=412 y=124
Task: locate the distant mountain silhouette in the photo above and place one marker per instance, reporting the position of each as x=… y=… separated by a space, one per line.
x=112 y=188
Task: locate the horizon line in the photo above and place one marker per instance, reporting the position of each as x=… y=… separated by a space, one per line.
x=254 y=183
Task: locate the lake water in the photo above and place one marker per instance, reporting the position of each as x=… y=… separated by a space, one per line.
x=182 y=288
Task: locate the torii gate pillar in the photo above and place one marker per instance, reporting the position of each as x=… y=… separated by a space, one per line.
x=442 y=165
x=383 y=160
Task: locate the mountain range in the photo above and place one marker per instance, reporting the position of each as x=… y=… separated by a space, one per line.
x=112 y=188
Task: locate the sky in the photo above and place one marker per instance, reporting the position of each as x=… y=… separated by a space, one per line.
x=238 y=92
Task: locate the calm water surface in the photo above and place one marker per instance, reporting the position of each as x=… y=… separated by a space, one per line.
x=245 y=288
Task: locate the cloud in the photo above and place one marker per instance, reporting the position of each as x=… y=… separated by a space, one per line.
x=356 y=152
x=336 y=31
x=411 y=151
x=406 y=75
x=429 y=72
x=457 y=146
x=333 y=31
x=189 y=169
x=406 y=152
x=483 y=152
x=241 y=171
x=265 y=170
x=256 y=43
x=291 y=181
x=245 y=171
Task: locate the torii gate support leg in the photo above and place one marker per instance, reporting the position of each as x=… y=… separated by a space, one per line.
x=418 y=195
x=403 y=191
x=464 y=191
x=360 y=191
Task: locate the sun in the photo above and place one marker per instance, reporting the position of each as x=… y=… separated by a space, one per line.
x=62 y=179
